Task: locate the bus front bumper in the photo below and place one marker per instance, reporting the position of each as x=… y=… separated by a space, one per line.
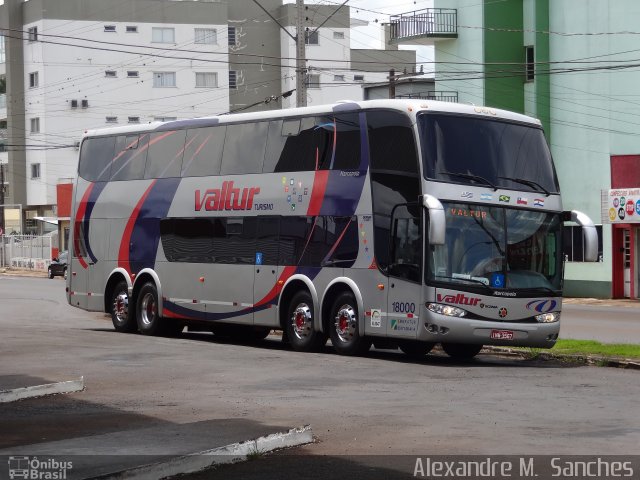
x=443 y=329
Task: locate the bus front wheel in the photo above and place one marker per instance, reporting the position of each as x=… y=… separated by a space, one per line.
x=345 y=335
x=300 y=324
x=415 y=350
x=121 y=316
x=461 y=350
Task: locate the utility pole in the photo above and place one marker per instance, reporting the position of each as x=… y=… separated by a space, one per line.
x=301 y=55
x=392 y=83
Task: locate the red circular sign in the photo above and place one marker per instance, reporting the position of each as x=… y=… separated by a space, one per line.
x=631 y=207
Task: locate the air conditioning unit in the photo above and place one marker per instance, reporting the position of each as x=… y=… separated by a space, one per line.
x=85 y=103
x=74 y=103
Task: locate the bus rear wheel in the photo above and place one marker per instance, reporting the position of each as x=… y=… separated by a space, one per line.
x=462 y=351
x=122 y=318
x=149 y=320
x=345 y=335
x=415 y=350
x=300 y=324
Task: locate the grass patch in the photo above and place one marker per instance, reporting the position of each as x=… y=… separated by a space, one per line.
x=591 y=347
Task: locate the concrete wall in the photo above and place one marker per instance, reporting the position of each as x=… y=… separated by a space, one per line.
x=458 y=53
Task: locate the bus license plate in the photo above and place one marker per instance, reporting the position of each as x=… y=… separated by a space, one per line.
x=501 y=335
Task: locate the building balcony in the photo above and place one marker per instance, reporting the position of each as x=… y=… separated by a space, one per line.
x=440 y=96
x=423 y=27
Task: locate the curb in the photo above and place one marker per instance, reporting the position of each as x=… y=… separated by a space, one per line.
x=71 y=386
x=593 y=360
x=233 y=453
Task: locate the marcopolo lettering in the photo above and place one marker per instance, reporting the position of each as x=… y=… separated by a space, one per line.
x=226 y=198
x=459 y=299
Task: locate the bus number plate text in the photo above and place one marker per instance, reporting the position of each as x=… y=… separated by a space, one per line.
x=501 y=335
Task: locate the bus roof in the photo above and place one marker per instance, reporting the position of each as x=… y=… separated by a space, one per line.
x=408 y=106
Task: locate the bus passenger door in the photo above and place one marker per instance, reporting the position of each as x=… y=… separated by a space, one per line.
x=405 y=272
x=78 y=268
x=96 y=279
x=266 y=272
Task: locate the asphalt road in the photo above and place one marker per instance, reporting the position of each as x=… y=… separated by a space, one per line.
x=381 y=404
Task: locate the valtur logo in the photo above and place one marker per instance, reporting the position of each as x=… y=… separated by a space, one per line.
x=542 y=306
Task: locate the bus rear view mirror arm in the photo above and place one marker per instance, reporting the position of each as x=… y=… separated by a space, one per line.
x=589 y=233
x=437 y=222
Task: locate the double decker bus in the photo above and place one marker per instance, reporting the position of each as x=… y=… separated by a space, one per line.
x=402 y=223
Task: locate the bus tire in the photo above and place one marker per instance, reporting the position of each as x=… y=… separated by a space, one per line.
x=343 y=327
x=121 y=315
x=148 y=317
x=461 y=351
x=415 y=350
x=300 y=324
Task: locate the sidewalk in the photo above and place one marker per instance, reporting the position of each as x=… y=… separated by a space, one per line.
x=22 y=272
x=603 y=302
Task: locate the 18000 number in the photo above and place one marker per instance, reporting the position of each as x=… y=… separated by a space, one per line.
x=403 y=307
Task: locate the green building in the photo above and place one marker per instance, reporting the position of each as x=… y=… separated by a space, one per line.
x=575 y=66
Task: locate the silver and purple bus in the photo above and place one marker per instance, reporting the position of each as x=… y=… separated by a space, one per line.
x=402 y=223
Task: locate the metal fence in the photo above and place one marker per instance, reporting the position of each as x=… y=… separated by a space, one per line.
x=441 y=96
x=26 y=251
x=427 y=22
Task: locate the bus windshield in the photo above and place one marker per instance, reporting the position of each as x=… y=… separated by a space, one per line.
x=494 y=153
x=500 y=248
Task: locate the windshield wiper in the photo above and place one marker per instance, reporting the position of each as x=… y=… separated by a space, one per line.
x=468 y=176
x=479 y=282
x=528 y=183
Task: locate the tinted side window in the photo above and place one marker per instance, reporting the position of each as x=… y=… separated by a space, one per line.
x=343 y=131
x=95 y=159
x=165 y=154
x=186 y=239
x=130 y=157
x=203 y=151
x=333 y=242
x=244 y=148
x=394 y=173
x=293 y=236
x=392 y=142
x=234 y=240
x=295 y=149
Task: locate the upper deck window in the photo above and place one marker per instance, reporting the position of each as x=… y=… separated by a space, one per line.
x=506 y=154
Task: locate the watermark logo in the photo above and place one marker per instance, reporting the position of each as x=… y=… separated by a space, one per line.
x=38 y=469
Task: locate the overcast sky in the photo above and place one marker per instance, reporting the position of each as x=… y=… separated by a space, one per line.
x=372 y=10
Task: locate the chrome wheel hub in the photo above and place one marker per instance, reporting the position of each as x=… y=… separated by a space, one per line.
x=346 y=323
x=148 y=309
x=121 y=307
x=302 y=321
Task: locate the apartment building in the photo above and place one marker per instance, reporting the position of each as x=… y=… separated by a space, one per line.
x=73 y=65
x=572 y=65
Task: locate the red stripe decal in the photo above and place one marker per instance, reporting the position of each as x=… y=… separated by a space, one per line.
x=123 y=253
x=317 y=194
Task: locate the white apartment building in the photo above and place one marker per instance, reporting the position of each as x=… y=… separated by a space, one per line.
x=73 y=65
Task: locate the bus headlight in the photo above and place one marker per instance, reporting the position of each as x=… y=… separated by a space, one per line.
x=550 y=317
x=447 y=310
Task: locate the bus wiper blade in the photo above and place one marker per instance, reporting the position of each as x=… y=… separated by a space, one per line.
x=473 y=280
x=468 y=176
x=529 y=183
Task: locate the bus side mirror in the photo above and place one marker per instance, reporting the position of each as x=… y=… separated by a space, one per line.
x=437 y=221
x=589 y=234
